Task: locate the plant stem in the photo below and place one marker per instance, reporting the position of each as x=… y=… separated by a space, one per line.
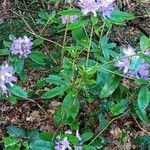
x=107 y=127
x=88 y=51
x=64 y=41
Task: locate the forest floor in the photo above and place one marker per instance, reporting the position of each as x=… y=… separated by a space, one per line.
x=32 y=114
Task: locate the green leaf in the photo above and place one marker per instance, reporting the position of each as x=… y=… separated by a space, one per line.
x=142 y=114
x=106 y=47
x=18 y=91
x=144 y=43
x=32 y=135
x=19 y=65
x=12 y=99
x=146 y=57
x=102 y=121
x=42 y=145
x=70 y=105
x=143 y=97
x=23 y=75
x=110 y=87
x=7 y=44
x=70 y=12
x=15 y=131
x=86 y=136
x=37 y=57
x=78 y=24
x=54 y=92
x=54 y=79
x=11 y=144
x=67 y=64
x=74 y=125
x=4 y=52
x=143 y=141
x=58 y=117
x=46 y=136
x=118 y=17
x=72 y=139
x=38 y=42
x=88 y=147
x=79 y=36
x=119 y=108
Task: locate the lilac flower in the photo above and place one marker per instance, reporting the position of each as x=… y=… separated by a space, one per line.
x=64 y=144
x=66 y=19
x=144 y=71
x=89 y=6
x=6 y=77
x=147 y=51
x=106 y=7
x=123 y=64
x=129 y=51
x=22 y=46
x=80 y=139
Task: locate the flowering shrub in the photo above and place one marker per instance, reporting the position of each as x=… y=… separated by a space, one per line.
x=85 y=66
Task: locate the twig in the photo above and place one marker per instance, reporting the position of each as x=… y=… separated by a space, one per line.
x=139 y=124
x=33 y=101
x=107 y=127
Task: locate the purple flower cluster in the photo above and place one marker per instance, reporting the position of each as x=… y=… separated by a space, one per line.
x=89 y=6
x=66 y=19
x=104 y=6
x=64 y=144
x=125 y=64
x=22 y=46
x=6 y=77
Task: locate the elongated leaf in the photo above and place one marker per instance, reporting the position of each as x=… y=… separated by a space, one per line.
x=143 y=97
x=146 y=57
x=88 y=147
x=16 y=131
x=54 y=92
x=18 y=91
x=4 y=52
x=47 y=136
x=42 y=145
x=119 y=108
x=38 y=57
x=67 y=64
x=118 y=17
x=86 y=136
x=70 y=12
x=54 y=79
x=70 y=105
x=109 y=87
x=142 y=114
x=11 y=143
x=144 y=43
x=32 y=135
x=102 y=121
x=19 y=65
x=38 y=41
x=78 y=24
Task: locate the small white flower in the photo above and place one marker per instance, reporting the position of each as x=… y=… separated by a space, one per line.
x=129 y=51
